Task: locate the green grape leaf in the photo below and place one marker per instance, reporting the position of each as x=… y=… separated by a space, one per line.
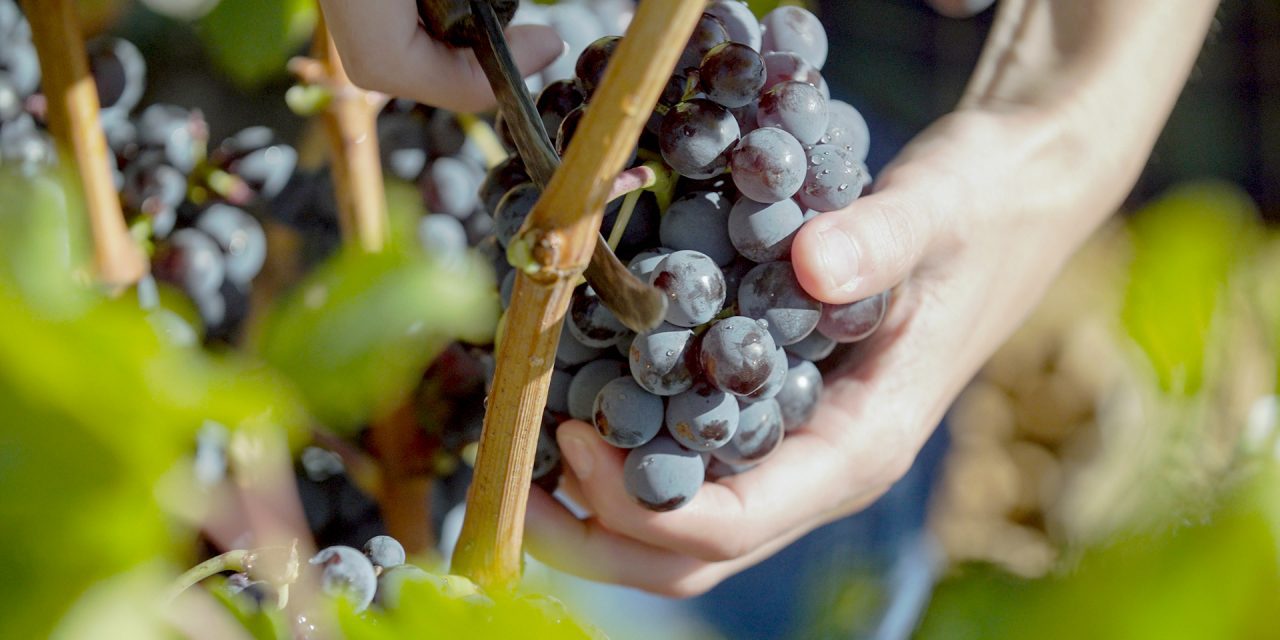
x=356 y=336
x=1185 y=247
x=251 y=40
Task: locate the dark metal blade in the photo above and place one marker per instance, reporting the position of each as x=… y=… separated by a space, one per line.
x=637 y=305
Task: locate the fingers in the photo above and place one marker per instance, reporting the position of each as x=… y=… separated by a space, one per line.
x=384 y=48
x=725 y=520
x=960 y=8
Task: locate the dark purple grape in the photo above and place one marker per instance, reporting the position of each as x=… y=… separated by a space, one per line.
x=509 y=174
x=718 y=469
x=696 y=138
x=694 y=286
x=702 y=418
x=854 y=321
x=847 y=128
x=445 y=136
x=181 y=134
x=800 y=393
x=795 y=29
x=119 y=73
x=570 y=352
x=746 y=117
x=402 y=140
x=699 y=221
x=192 y=260
x=768 y=165
x=591 y=65
x=814 y=347
x=241 y=238
x=568 y=127
x=642 y=228
x=592 y=323
x=153 y=188
x=784 y=66
x=494 y=255
x=772 y=293
x=625 y=415
x=443 y=239
x=733 y=274
x=588 y=382
x=19 y=61
x=834 y=179
x=451 y=186
x=663 y=475
x=737 y=355
x=660 y=360
x=11 y=104
x=507 y=288
x=643 y=263
x=795 y=107
x=707 y=34
x=556 y=101
x=347 y=573
x=738 y=20
x=777 y=377
x=558 y=393
x=732 y=75
x=546 y=458
x=384 y=551
x=763 y=232
x=512 y=211
x=760 y=432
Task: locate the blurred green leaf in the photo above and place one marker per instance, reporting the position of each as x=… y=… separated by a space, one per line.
x=1185 y=247
x=251 y=40
x=1214 y=579
x=358 y=333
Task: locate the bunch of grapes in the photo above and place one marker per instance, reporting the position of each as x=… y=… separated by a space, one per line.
x=760 y=147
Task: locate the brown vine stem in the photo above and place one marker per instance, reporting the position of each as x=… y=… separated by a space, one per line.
x=353 y=145
x=72 y=103
x=560 y=234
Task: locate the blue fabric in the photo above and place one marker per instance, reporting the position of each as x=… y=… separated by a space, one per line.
x=776 y=598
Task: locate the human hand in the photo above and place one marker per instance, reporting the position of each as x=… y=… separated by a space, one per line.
x=970 y=224
x=384 y=48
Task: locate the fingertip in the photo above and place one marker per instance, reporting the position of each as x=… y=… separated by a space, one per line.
x=826 y=260
x=534 y=46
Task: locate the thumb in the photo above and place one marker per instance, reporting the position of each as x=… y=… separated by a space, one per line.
x=871 y=245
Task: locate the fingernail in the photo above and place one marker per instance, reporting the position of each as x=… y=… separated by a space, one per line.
x=578 y=453
x=839 y=256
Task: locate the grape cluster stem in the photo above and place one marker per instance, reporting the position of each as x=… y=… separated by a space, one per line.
x=561 y=232
x=72 y=111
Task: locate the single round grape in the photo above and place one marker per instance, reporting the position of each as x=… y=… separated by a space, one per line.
x=592 y=323
x=768 y=165
x=738 y=20
x=555 y=102
x=558 y=393
x=443 y=238
x=699 y=221
x=512 y=211
x=643 y=263
x=771 y=292
x=346 y=572
x=702 y=418
x=642 y=227
x=568 y=127
x=22 y=66
x=192 y=260
x=800 y=393
x=663 y=475
x=759 y=434
x=660 y=360
x=181 y=134
x=241 y=238
x=777 y=377
x=546 y=458
x=694 y=286
x=737 y=354
x=763 y=232
x=814 y=347
x=718 y=469
x=854 y=321
x=451 y=186
x=267 y=170
x=570 y=352
x=494 y=256
x=834 y=179
x=784 y=66
x=795 y=29
x=119 y=73
x=384 y=551
x=846 y=128
x=10 y=102
x=625 y=415
x=588 y=382
x=402 y=140
x=151 y=186
x=732 y=75
x=696 y=138
x=707 y=34
x=795 y=107
x=501 y=179
x=591 y=65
